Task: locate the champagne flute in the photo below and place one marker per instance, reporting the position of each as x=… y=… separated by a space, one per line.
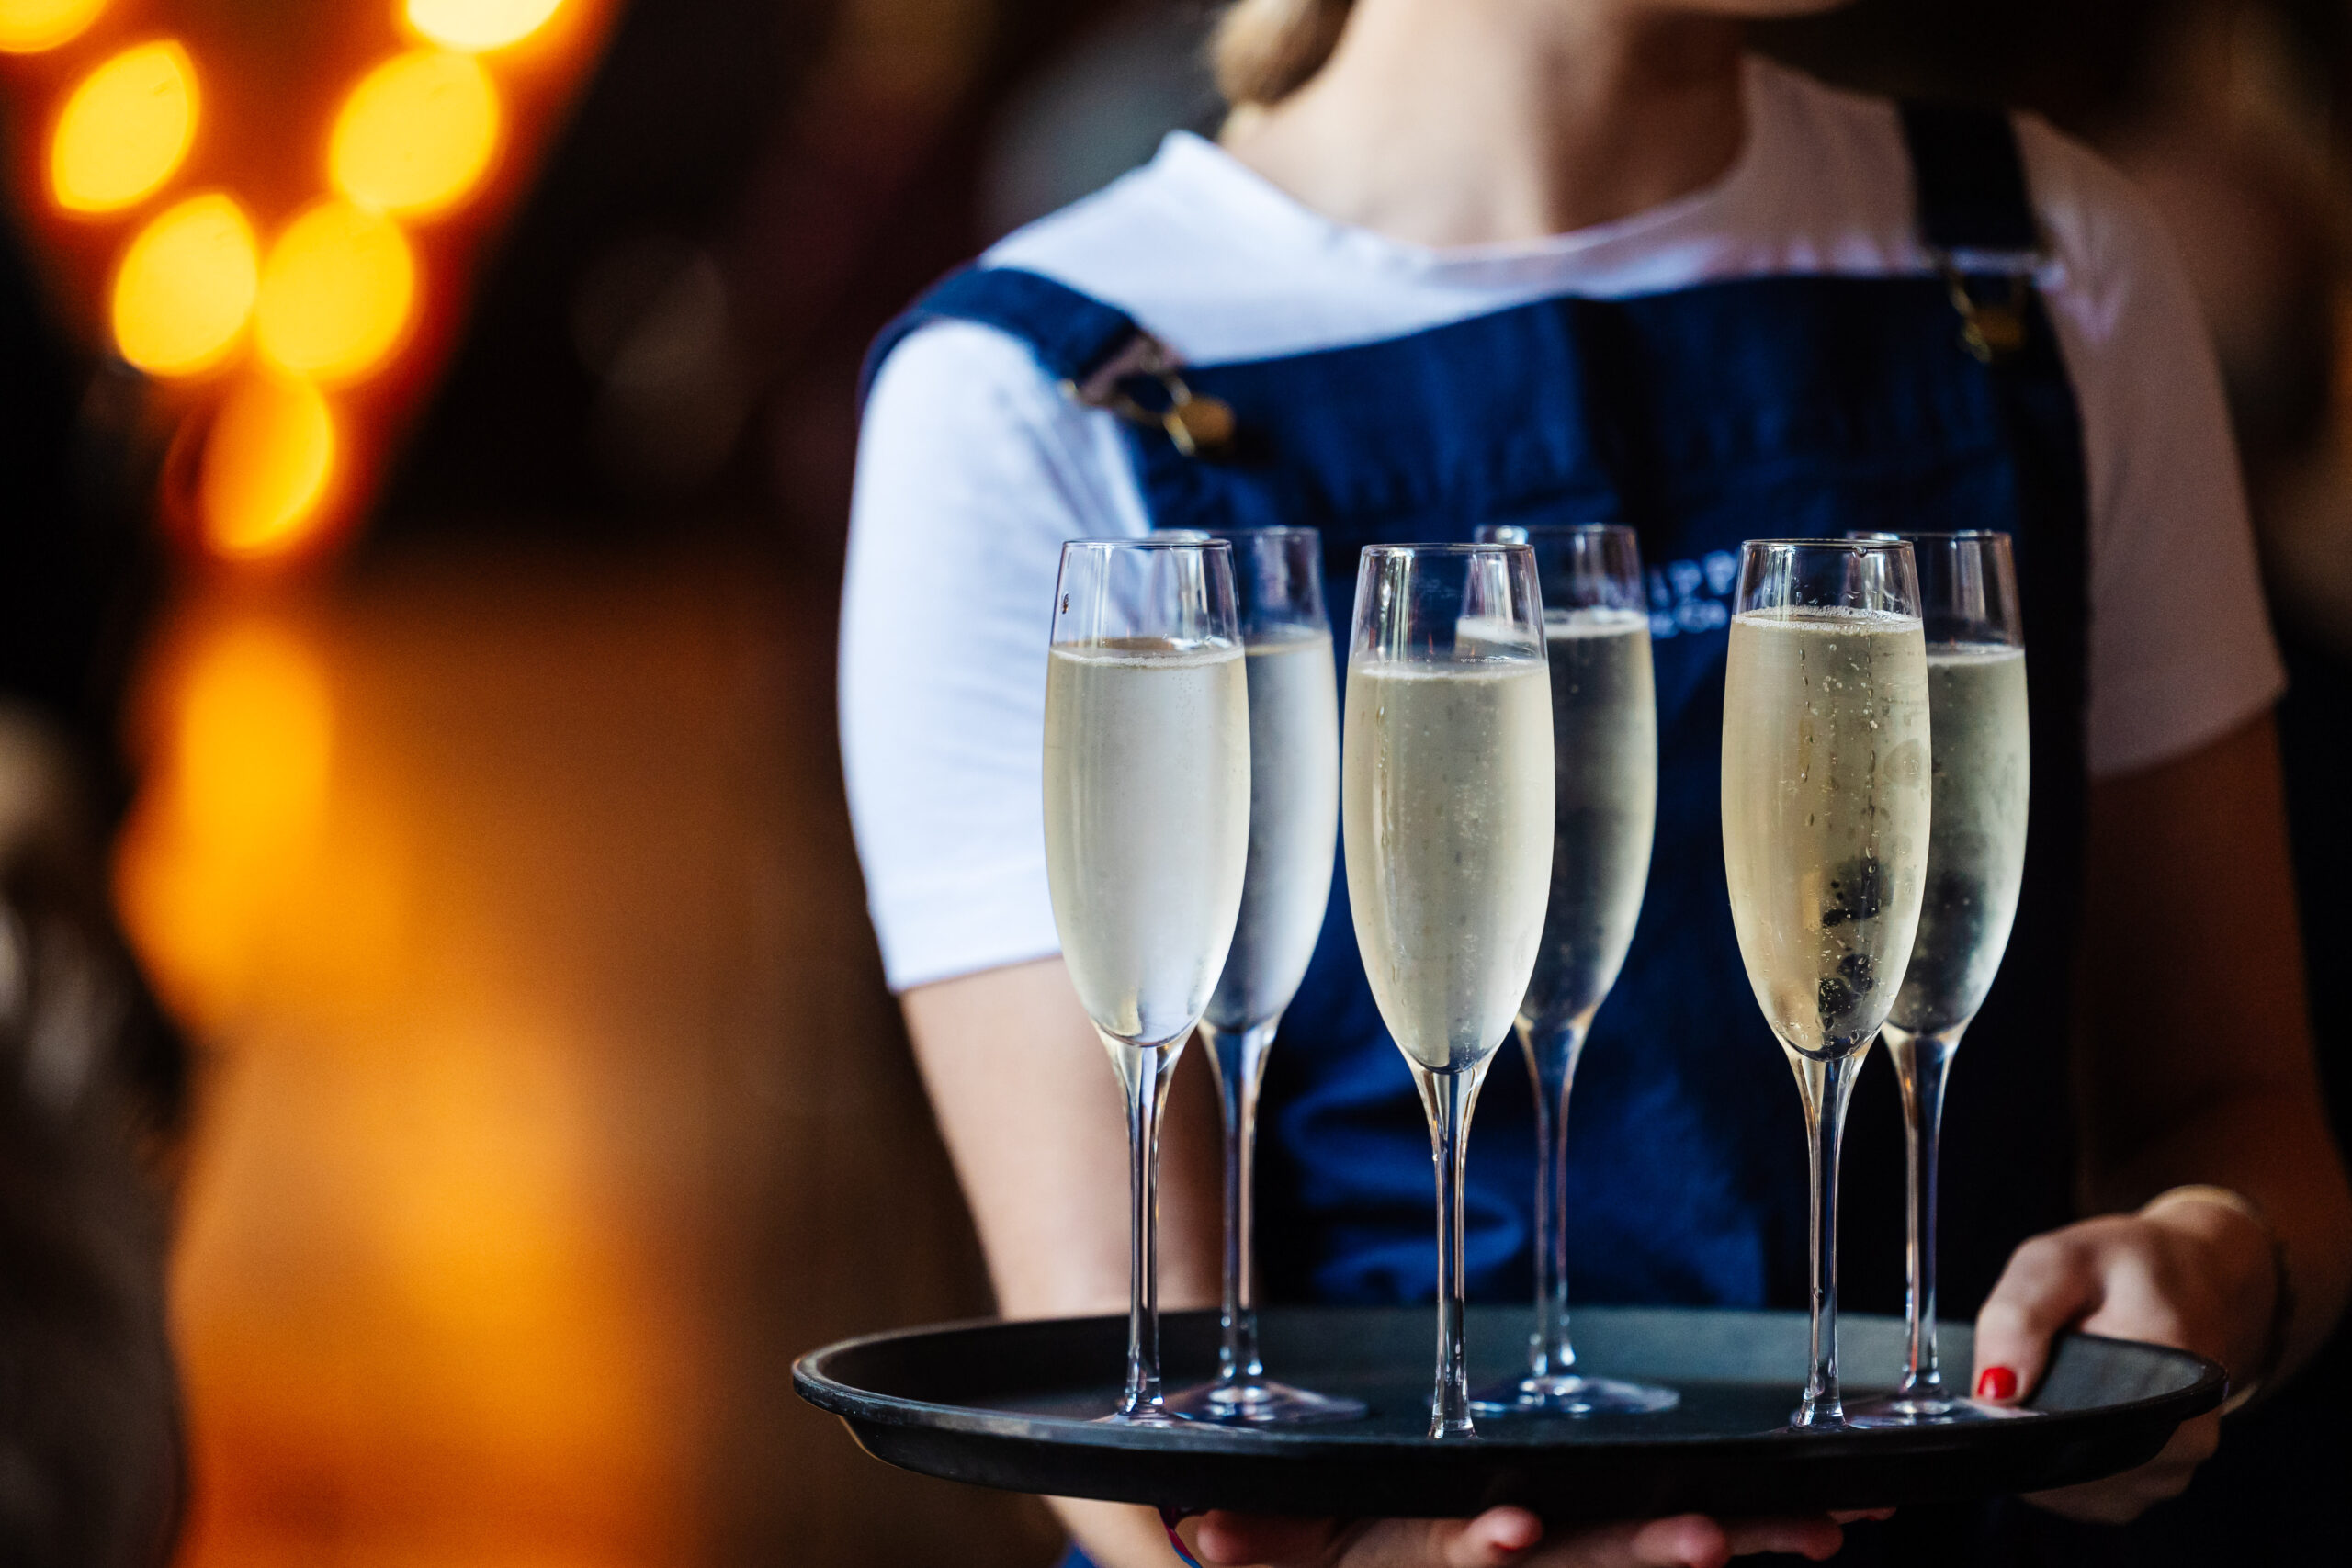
x=1604 y=737
x=1826 y=822
x=1446 y=806
x=1980 y=772
x=1293 y=830
x=1146 y=835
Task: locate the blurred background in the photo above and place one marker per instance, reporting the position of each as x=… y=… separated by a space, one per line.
x=433 y=978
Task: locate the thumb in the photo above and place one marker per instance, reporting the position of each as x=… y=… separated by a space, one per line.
x=2050 y=1282
x=1495 y=1539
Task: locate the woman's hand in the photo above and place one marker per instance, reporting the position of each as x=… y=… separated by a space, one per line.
x=1505 y=1538
x=2184 y=1272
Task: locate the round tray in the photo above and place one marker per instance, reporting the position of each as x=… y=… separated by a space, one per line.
x=1012 y=1406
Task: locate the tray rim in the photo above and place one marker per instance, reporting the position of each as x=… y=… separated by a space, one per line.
x=2203 y=1393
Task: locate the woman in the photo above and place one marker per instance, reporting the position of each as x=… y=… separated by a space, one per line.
x=1465 y=261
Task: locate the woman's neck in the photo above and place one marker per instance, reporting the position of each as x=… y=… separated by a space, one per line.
x=1466 y=122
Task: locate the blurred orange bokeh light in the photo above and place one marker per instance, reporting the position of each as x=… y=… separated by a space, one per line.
x=253 y=739
x=186 y=286
x=125 y=129
x=335 y=295
x=336 y=291
x=266 y=463
x=232 y=805
x=416 y=134
x=479 y=23
x=424 y=1314
x=28 y=27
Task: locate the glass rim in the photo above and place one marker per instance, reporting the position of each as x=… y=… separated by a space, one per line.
x=1825 y=546
x=1939 y=535
x=1854 y=547
x=1147 y=542
x=1473 y=547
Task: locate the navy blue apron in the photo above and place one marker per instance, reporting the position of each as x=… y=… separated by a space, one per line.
x=1767 y=406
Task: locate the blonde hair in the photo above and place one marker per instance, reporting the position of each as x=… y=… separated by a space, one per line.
x=1265 y=49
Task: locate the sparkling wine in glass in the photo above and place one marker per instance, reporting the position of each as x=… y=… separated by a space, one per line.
x=1604 y=778
x=1826 y=824
x=1294 y=832
x=1446 y=812
x=1146 y=837
x=1980 y=776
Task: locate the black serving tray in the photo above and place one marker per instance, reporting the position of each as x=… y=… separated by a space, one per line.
x=1012 y=1406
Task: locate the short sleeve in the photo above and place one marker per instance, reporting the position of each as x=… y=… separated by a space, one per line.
x=2180 y=646
x=972 y=470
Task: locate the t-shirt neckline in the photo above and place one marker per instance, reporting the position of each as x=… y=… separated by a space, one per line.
x=1262 y=209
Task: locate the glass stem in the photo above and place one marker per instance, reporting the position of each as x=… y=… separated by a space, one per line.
x=1239 y=1058
x=1827 y=1086
x=1449 y=1098
x=1922 y=1064
x=1552 y=1056
x=1143 y=1072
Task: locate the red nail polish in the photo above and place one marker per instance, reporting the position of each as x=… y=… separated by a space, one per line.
x=1998 y=1384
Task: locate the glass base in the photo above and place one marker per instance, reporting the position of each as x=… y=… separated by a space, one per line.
x=1150 y=1416
x=1569 y=1394
x=1926 y=1410
x=1262 y=1402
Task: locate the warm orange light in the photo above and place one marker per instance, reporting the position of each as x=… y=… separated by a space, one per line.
x=125 y=129
x=186 y=286
x=479 y=23
x=416 y=134
x=253 y=739
x=232 y=812
x=265 y=465
x=336 y=292
x=28 y=27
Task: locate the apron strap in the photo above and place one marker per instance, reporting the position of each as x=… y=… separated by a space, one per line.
x=1098 y=354
x=1073 y=335
x=1969 y=179
x=1971 y=187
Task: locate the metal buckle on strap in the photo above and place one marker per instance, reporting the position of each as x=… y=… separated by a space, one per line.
x=1990 y=331
x=1196 y=425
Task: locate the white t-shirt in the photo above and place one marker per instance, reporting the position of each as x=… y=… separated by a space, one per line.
x=973 y=467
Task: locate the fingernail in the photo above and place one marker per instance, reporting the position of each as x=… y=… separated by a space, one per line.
x=1517 y=1531
x=1996 y=1384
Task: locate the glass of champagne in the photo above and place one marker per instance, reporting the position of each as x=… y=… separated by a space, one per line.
x=1446 y=808
x=1294 y=832
x=1825 y=823
x=1147 y=837
x=1604 y=779
x=1981 y=771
